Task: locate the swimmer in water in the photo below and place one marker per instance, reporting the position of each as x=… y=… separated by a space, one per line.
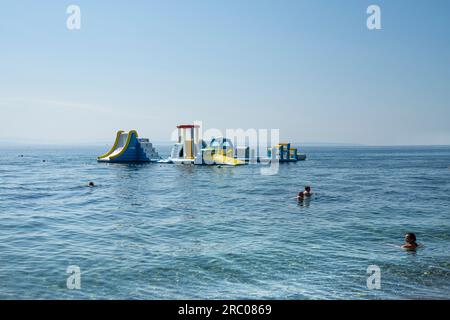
x=91 y=184
x=410 y=242
x=300 y=196
x=307 y=192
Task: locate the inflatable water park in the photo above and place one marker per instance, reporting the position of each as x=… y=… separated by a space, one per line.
x=190 y=149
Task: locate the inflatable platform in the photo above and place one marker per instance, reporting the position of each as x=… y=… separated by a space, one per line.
x=128 y=147
x=191 y=150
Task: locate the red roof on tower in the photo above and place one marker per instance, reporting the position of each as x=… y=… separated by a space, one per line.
x=187 y=126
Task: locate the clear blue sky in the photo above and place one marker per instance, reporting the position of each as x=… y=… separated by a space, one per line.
x=310 y=68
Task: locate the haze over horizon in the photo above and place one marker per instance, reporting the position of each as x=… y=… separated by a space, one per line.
x=309 y=68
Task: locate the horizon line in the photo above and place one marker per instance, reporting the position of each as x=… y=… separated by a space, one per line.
x=6 y=144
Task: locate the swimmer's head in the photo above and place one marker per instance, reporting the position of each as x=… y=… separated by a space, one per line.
x=410 y=238
x=307 y=188
x=91 y=184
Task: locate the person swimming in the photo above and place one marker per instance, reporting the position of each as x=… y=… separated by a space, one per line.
x=307 y=192
x=410 y=242
x=91 y=184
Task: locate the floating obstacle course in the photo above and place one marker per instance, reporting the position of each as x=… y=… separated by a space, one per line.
x=189 y=149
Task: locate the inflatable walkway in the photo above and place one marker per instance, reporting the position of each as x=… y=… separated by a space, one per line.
x=128 y=147
x=226 y=160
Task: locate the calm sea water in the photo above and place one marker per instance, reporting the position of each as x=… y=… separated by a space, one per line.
x=155 y=231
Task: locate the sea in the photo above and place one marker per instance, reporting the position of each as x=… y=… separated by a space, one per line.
x=161 y=231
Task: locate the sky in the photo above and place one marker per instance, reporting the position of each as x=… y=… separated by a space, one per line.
x=311 y=69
